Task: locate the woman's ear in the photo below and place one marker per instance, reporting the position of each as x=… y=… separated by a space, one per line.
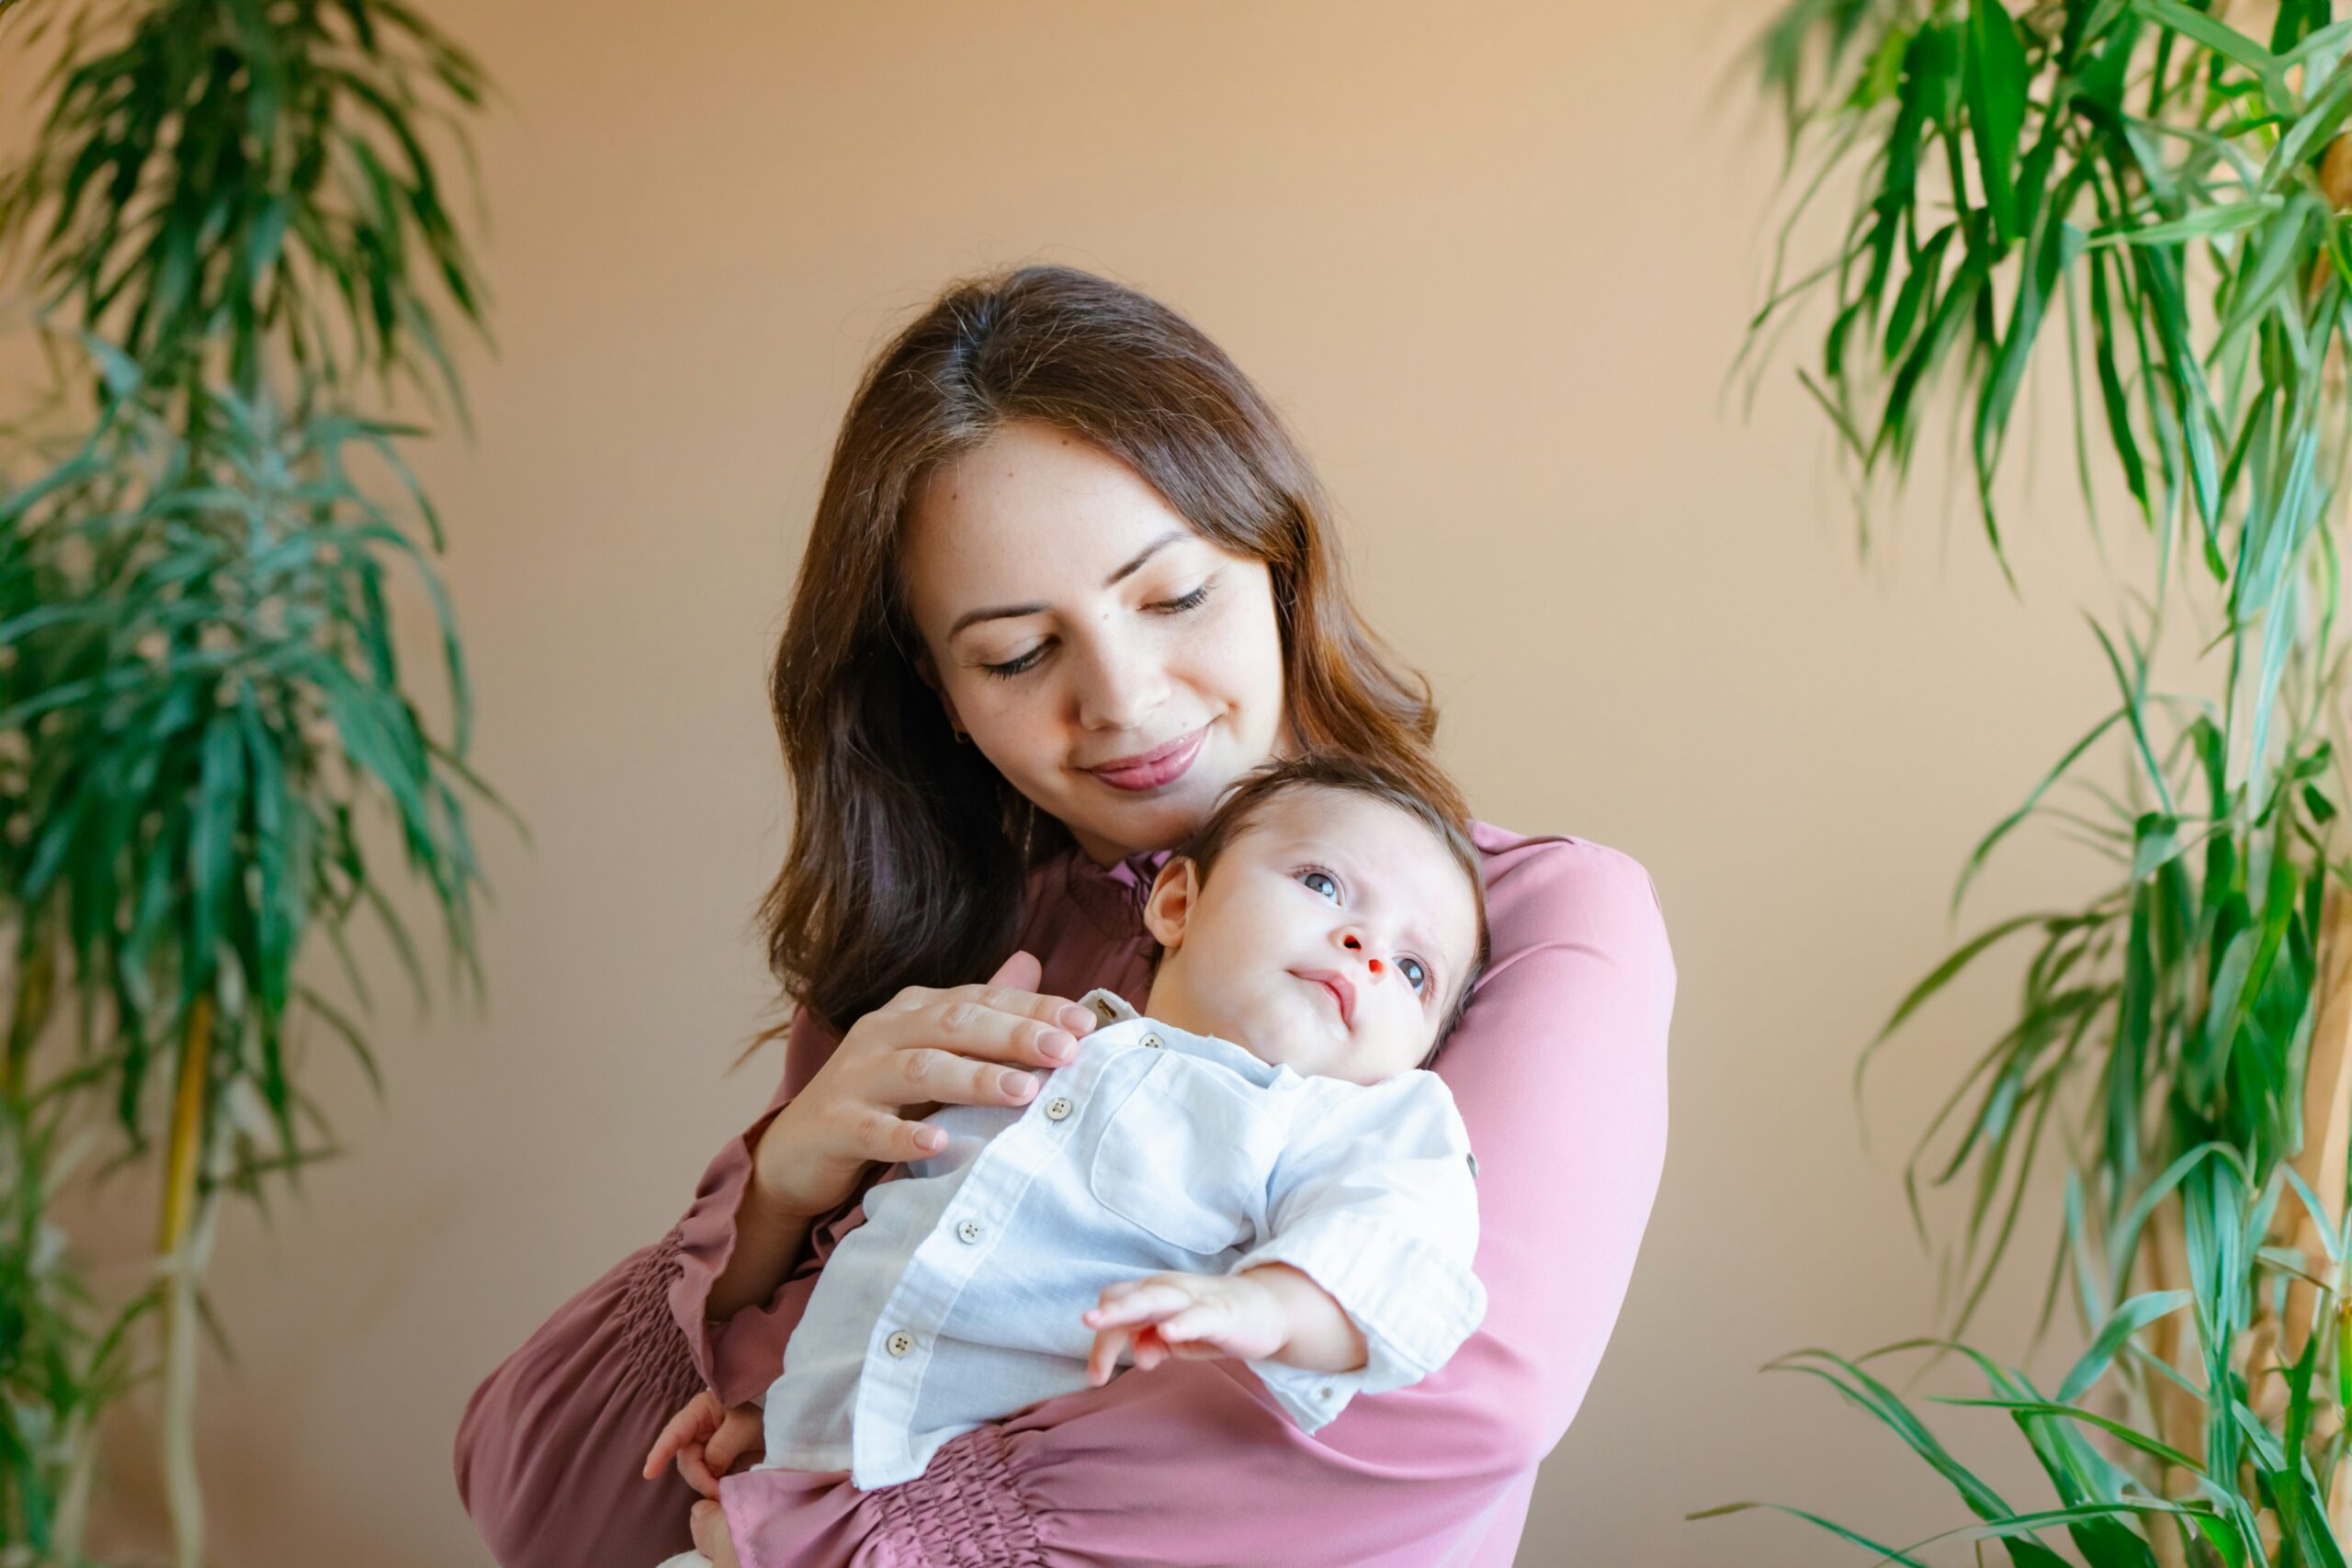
x=1170 y=904
x=930 y=673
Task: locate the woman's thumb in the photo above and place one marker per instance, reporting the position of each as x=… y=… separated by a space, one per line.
x=736 y=1436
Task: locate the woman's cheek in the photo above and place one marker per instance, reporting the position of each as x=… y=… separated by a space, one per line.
x=1035 y=744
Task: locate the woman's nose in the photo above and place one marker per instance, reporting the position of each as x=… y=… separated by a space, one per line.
x=1120 y=686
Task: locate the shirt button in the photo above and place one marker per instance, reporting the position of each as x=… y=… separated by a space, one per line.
x=1326 y=1392
x=1152 y=1041
x=901 y=1342
x=970 y=1230
x=1056 y=1108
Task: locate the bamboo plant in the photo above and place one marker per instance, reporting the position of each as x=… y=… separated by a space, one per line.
x=230 y=224
x=2146 y=200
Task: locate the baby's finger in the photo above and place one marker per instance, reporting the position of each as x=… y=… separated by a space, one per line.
x=1150 y=1349
x=736 y=1437
x=1102 y=1360
x=1142 y=1282
x=1148 y=1301
x=1195 y=1322
x=695 y=1466
x=680 y=1428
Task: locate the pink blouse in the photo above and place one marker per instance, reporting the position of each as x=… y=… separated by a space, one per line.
x=1559 y=1070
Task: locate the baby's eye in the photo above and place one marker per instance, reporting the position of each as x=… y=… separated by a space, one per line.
x=1321 y=881
x=1415 y=974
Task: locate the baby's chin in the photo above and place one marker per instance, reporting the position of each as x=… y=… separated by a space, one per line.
x=1285 y=1034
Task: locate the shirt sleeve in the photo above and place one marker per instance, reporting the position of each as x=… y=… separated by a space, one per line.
x=1374 y=1202
x=551 y=1447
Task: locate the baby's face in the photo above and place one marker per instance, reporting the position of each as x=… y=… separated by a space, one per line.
x=1330 y=938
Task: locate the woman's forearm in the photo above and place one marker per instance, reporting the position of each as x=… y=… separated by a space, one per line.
x=768 y=1242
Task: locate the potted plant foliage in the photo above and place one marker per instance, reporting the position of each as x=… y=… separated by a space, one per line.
x=229 y=226
x=2153 y=194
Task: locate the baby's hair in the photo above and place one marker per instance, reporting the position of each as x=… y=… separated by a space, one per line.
x=1243 y=799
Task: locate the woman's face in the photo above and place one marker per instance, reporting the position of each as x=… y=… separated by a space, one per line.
x=1118 y=667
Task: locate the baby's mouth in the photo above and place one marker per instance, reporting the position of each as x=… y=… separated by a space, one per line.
x=1335 y=986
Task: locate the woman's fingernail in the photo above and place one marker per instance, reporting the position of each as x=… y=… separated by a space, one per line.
x=1076 y=1018
x=1054 y=1044
x=1018 y=1085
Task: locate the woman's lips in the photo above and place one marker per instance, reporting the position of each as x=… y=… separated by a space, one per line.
x=1150 y=769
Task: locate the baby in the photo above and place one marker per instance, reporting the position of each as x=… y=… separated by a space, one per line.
x=1257 y=1167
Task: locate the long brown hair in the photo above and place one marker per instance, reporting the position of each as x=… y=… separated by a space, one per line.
x=909 y=852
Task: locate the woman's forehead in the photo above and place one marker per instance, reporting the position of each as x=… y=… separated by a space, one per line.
x=1034 y=514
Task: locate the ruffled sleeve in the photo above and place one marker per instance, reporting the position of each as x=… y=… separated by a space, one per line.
x=551 y=1446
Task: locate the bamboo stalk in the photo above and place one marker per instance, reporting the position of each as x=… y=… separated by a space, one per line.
x=176 y=1251
x=187 y=1126
x=2327 y=1107
x=25 y=1022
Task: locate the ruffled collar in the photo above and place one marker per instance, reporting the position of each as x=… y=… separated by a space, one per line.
x=1113 y=896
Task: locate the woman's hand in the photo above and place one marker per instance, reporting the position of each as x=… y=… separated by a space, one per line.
x=705 y=1440
x=985 y=1045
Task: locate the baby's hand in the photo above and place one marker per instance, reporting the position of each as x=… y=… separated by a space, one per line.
x=1192 y=1315
x=705 y=1440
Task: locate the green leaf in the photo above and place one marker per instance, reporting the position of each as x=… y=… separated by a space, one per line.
x=1994 y=79
x=2219 y=37
x=2121 y=1324
x=2229 y=218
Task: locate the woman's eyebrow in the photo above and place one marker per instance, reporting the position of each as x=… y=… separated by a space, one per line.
x=1144 y=555
x=995 y=613
x=1013 y=612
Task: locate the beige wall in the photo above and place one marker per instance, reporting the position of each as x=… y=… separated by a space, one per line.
x=1493 y=261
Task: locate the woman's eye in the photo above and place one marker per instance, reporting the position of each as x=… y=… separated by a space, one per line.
x=1414 y=975
x=1321 y=881
x=1012 y=667
x=1192 y=600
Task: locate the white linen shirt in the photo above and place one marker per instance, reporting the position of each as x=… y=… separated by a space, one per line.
x=957 y=1301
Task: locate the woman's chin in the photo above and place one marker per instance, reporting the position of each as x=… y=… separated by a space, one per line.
x=1158 y=821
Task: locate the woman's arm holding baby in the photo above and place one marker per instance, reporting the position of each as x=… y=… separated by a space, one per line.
x=550 y=1440
x=1271 y=1313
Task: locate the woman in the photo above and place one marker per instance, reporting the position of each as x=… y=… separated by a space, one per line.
x=1069 y=577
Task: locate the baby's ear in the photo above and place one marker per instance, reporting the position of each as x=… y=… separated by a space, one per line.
x=1170 y=904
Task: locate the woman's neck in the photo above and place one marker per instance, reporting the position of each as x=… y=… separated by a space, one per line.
x=1104 y=852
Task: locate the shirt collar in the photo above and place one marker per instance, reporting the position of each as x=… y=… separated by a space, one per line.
x=1113 y=896
x=1114 y=1009
x=1108 y=1006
